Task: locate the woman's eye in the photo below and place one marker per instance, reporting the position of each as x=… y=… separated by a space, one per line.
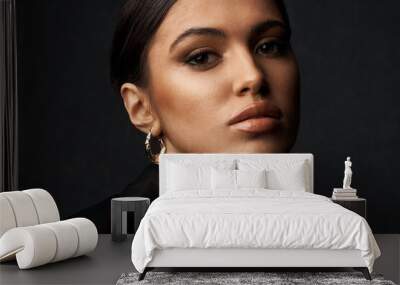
x=274 y=48
x=202 y=59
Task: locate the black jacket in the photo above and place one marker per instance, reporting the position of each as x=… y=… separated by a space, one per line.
x=145 y=185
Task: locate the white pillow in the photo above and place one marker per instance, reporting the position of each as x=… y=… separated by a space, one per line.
x=228 y=179
x=251 y=178
x=223 y=179
x=281 y=174
x=184 y=175
x=288 y=179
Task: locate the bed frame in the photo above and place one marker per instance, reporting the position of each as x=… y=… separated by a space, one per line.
x=246 y=258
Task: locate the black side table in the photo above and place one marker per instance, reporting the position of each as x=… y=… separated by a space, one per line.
x=357 y=205
x=119 y=208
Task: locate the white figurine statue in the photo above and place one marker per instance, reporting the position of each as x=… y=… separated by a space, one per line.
x=347 y=174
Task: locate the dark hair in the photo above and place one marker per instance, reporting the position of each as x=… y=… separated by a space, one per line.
x=138 y=21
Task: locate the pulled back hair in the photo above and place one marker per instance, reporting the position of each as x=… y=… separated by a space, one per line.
x=137 y=22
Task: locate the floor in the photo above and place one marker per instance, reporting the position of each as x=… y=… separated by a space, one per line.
x=111 y=259
x=389 y=262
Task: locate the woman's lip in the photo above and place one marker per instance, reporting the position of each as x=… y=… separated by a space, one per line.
x=261 y=108
x=257 y=125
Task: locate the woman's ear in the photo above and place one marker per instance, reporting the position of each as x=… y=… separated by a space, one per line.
x=137 y=104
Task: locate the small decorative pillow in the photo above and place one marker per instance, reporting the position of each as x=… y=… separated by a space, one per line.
x=281 y=175
x=251 y=178
x=184 y=178
x=223 y=179
x=293 y=178
x=188 y=176
x=229 y=179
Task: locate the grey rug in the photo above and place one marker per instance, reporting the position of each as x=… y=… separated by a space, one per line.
x=229 y=278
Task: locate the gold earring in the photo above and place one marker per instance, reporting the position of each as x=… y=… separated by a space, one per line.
x=154 y=158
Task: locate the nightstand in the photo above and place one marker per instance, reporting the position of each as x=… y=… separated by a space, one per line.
x=119 y=208
x=357 y=205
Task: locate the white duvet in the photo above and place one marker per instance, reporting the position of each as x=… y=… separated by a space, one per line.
x=252 y=218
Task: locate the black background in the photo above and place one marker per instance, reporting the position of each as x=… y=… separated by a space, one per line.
x=76 y=140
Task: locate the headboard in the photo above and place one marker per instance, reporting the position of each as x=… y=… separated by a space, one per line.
x=209 y=157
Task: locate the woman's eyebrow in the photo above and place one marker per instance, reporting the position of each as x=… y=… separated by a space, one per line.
x=266 y=25
x=254 y=31
x=197 y=32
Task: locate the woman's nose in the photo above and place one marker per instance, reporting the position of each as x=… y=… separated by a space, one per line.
x=248 y=76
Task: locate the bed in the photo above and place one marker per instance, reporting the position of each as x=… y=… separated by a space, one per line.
x=245 y=211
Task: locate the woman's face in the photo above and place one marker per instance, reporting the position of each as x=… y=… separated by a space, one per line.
x=239 y=55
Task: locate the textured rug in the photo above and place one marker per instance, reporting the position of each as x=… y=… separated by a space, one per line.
x=230 y=278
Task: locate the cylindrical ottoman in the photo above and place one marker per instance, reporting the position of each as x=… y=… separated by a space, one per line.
x=119 y=208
